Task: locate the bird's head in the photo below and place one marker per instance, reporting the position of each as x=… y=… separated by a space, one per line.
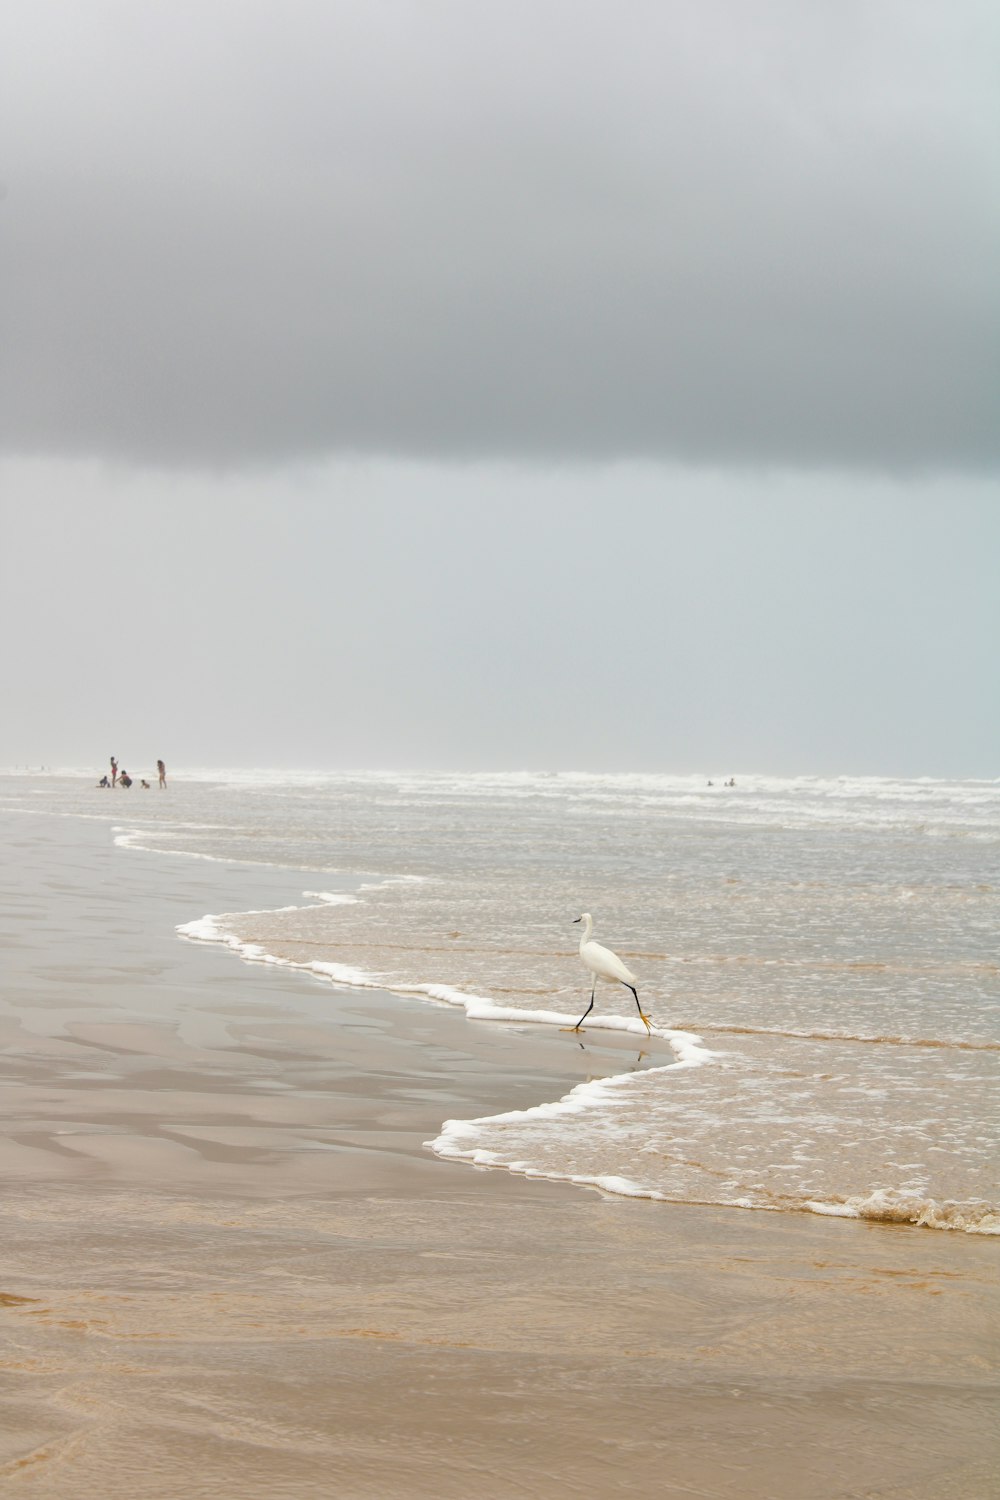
x=585 y=918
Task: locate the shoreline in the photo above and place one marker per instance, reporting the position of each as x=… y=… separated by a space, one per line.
x=233 y=1265
x=602 y=1038
x=284 y=1010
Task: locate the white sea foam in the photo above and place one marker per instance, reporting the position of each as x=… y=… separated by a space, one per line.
x=146 y=840
x=619 y=1187
x=891 y=1206
x=840 y=954
x=689 y=1049
x=598 y=1094
x=391 y=880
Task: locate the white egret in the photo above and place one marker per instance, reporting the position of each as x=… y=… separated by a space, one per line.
x=603 y=964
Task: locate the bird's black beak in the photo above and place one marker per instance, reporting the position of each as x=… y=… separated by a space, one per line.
x=577 y=919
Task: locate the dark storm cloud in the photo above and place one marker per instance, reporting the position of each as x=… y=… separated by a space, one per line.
x=699 y=231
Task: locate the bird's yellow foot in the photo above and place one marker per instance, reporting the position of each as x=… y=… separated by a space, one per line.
x=646 y=1019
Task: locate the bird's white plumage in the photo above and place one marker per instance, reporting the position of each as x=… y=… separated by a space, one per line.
x=604 y=964
x=600 y=960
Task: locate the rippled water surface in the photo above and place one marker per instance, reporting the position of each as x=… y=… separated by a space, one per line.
x=831 y=942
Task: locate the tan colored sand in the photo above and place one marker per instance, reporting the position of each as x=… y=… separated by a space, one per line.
x=232 y=1269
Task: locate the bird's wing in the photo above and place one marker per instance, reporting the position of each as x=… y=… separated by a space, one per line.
x=603 y=961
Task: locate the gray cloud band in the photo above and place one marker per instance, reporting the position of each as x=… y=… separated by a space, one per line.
x=687 y=238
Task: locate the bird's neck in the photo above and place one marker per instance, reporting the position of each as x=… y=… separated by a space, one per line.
x=588 y=928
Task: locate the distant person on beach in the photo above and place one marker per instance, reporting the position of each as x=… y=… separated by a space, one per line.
x=104 y=781
x=114 y=770
x=124 y=778
x=144 y=783
x=161 y=771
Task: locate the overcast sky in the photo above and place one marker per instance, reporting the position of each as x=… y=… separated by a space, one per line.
x=489 y=383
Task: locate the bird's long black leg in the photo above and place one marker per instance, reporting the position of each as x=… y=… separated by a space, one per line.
x=588 y=1010
x=645 y=1018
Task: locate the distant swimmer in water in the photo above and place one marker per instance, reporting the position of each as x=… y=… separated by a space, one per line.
x=161 y=771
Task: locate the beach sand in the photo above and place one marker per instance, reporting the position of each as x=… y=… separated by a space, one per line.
x=232 y=1267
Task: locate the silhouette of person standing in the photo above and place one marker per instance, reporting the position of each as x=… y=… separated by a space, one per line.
x=161 y=771
x=114 y=770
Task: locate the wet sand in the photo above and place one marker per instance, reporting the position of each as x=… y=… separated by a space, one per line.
x=232 y=1267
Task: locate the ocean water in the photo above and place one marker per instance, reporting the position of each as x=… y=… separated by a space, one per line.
x=818 y=957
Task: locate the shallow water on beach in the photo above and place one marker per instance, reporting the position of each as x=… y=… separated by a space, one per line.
x=818 y=958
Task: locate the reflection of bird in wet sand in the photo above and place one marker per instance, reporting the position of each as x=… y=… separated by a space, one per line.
x=603 y=964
